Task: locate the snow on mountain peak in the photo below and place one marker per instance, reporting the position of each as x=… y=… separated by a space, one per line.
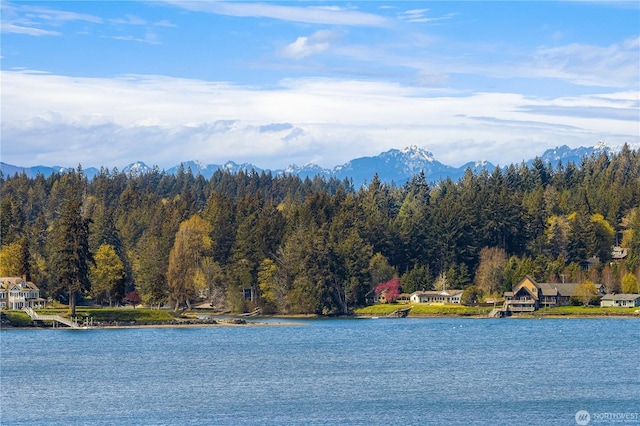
x=137 y=168
x=416 y=153
x=199 y=164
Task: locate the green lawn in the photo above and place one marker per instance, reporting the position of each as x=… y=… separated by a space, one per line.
x=418 y=310
x=139 y=315
x=585 y=311
x=154 y=316
x=17 y=318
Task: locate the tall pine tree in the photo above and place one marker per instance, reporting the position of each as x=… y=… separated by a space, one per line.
x=73 y=257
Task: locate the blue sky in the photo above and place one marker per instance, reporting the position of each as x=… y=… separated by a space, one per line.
x=103 y=83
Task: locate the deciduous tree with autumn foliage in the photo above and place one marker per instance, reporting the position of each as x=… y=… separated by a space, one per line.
x=388 y=290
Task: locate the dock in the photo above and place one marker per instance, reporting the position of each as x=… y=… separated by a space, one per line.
x=498 y=313
x=254 y=313
x=399 y=313
x=56 y=319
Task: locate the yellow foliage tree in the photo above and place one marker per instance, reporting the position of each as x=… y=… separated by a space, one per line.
x=190 y=247
x=267 y=283
x=106 y=273
x=630 y=283
x=586 y=292
x=10 y=260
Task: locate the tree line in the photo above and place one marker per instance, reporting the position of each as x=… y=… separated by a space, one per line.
x=247 y=240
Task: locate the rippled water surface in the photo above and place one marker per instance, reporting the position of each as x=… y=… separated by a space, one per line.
x=324 y=372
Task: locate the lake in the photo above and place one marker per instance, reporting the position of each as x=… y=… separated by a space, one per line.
x=327 y=372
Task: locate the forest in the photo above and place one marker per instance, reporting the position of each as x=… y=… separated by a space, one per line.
x=251 y=240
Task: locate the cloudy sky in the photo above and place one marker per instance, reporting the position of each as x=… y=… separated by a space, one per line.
x=103 y=83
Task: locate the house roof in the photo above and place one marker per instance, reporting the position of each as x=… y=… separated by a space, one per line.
x=6 y=283
x=535 y=296
x=621 y=296
x=433 y=293
x=548 y=289
x=555 y=289
x=619 y=253
x=563 y=289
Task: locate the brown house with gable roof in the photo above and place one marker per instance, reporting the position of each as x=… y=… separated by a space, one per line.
x=529 y=296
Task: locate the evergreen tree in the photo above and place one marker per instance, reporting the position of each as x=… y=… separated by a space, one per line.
x=417 y=279
x=581 y=238
x=631 y=239
x=25 y=259
x=380 y=270
x=72 y=257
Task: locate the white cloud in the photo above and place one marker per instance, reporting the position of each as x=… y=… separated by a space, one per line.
x=420 y=16
x=40 y=21
x=164 y=23
x=615 y=65
x=30 y=20
x=62 y=120
x=9 y=27
x=149 y=37
x=54 y=15
x=310 y=15
x=305 y=46
x=129 y=20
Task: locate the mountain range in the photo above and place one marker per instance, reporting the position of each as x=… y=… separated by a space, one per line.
x=394 y=165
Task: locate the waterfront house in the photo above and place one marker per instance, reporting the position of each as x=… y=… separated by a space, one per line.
x=525 y=297
x=381 y=297
x=372 y=297
x=403 y=298
x=18 y=293
x=619 y=254
x=622 y=300
x=432 y=296
x=529 y=296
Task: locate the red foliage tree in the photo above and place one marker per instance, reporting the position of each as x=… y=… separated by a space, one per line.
x=133 y=297
x=390 y=289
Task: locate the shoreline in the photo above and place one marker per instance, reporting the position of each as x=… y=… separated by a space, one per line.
x=294 y=320
x=160 y=325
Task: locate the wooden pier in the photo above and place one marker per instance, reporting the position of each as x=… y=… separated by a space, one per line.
x=57 y=319
x=399 y=313
x=254 y=313
x=498 y=313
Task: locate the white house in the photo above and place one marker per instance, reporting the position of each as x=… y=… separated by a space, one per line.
x=432 y=296
x=18 y=293
x=622 y=300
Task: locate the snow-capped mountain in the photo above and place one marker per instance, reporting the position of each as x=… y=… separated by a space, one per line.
x=136 y=169
x=395 y=165
x=196 y=167
x=10 y=170
x=207 y=170
x=567 y=155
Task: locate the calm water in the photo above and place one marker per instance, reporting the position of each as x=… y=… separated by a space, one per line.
x=327 y=372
